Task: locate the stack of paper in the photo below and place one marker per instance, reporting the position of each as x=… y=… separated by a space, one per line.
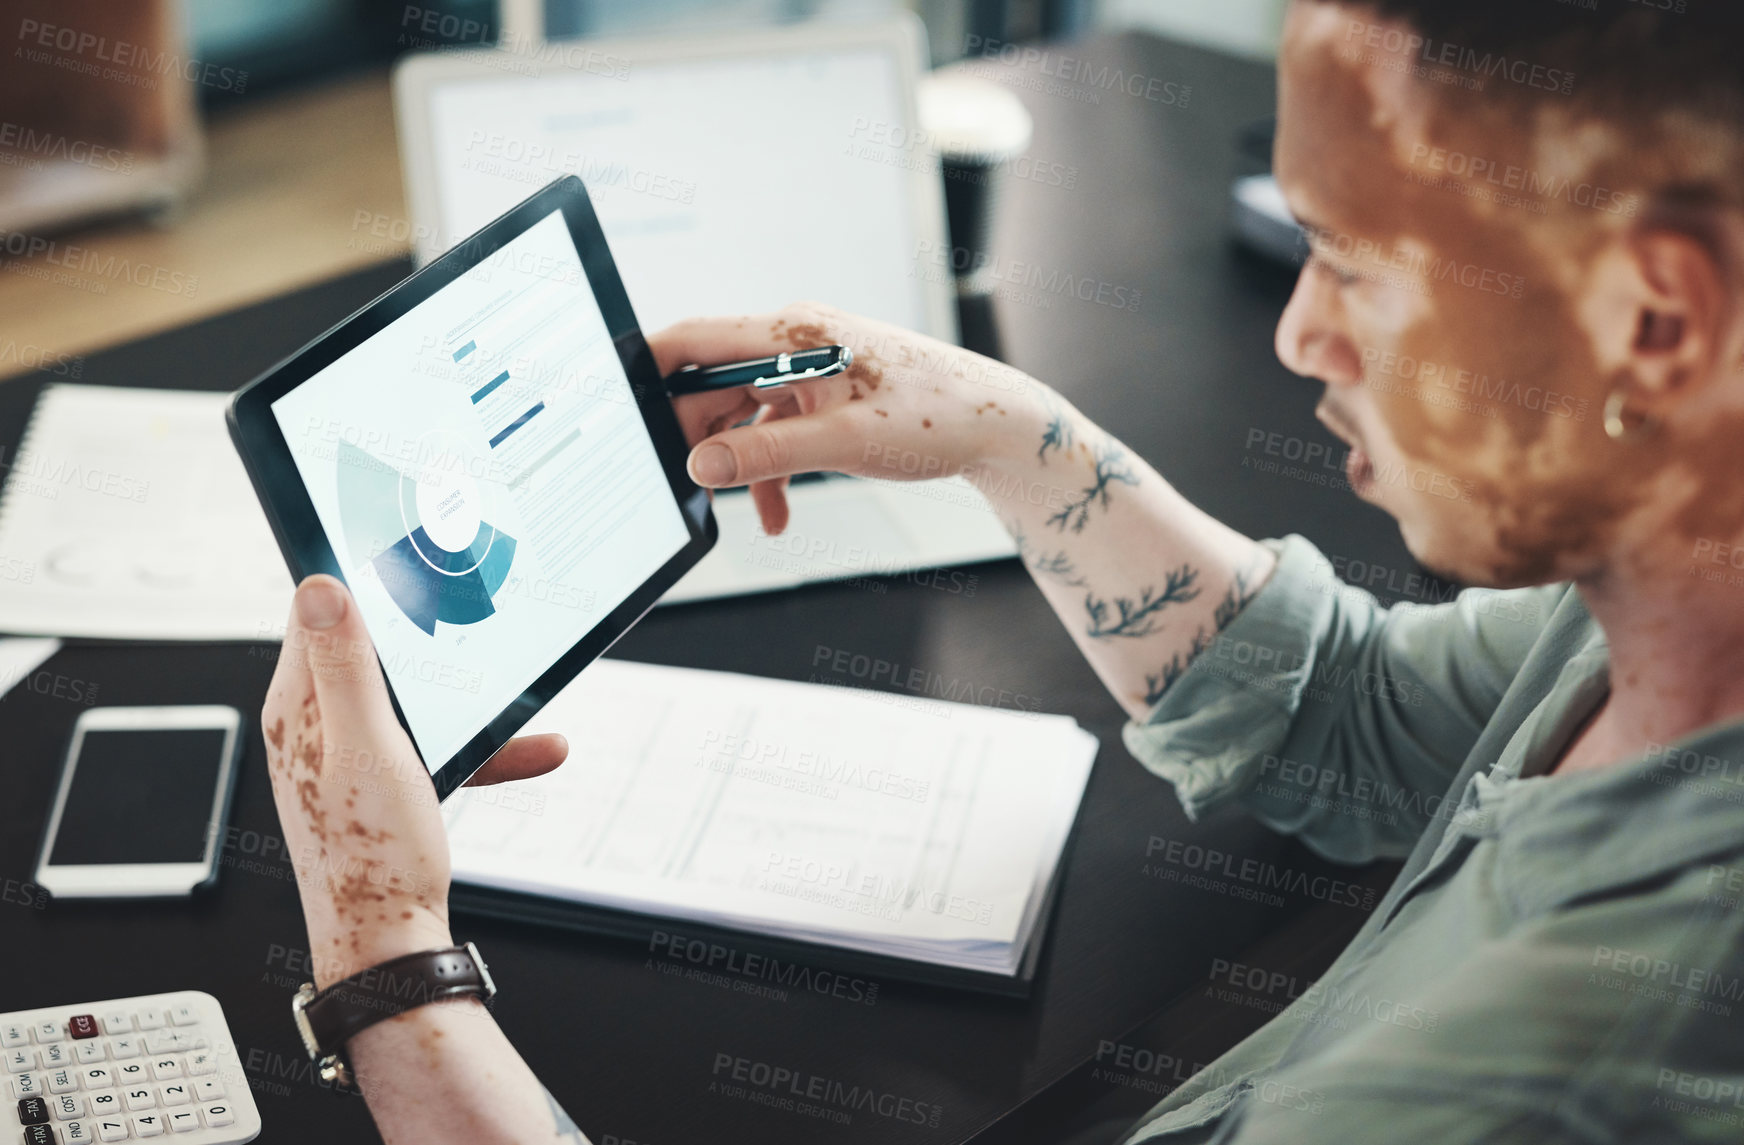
x=879 y=822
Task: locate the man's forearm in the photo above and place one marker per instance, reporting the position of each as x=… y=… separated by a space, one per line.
x=1142 y=579
x=446 y=1073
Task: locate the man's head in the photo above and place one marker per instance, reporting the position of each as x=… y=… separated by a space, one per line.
x=1524 y=213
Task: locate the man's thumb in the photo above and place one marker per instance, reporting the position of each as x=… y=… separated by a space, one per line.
x=330 y=633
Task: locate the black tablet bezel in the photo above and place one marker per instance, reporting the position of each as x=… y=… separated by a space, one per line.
x=267 y=456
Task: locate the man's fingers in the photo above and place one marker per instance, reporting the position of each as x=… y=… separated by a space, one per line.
x=704 y=415
x=713 y=341
x=770 y=498
x=290 y=686
x=327 y=631
x=522 y=758
x=778 y=447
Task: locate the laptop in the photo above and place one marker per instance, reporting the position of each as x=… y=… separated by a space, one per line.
x=732 y=173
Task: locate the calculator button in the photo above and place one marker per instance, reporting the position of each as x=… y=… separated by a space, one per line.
x=112 y=1130
x=217 y=1116
x=24 y=1085
x=88 y=1052
x=55 y=1055
x=13 y=1035
x=46 y=1032
x=149 y=1019
x=39 y=1135
x=176 y=1094
x=82 y=1026
x=184 y=1015
x=166 y=1067
x=201 y=1063
x=97 y=1077
x=20 y=1061
x=138 y=1098
x=63 y=1081
x=76 y=1132
x=117 y=1022
x=209 y=1089
x=148 y=1125
x=32 y=1111
x=129 y=1074
x=174 y=1041
x=123 y=1048
x=68 y=1106
x=104 y=1102
x=183 y=1120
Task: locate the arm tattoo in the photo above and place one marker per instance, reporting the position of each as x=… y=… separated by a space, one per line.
x=1140 y=619
x=1240 y=595
x=1058 y=437
x=1111 y=466
x=1157 y=685
x=1059 y=566
x=566 y=1129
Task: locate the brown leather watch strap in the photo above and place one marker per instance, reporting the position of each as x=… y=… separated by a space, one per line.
x=329 y=1019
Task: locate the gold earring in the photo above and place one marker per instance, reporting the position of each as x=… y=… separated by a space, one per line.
x=1615 y=427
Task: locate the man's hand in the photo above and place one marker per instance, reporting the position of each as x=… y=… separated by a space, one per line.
x=359 y=813
x=910 y=407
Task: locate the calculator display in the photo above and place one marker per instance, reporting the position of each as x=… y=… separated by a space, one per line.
x=140 y=796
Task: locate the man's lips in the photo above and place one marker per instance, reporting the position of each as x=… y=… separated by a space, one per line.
x=1358 y=469
x=1337 y=425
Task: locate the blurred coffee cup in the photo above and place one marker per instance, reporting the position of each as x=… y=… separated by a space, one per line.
x=977 y=128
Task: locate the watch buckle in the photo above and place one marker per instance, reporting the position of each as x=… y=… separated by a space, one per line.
x=304 y=995
x=490 y=986
x=333 y=1068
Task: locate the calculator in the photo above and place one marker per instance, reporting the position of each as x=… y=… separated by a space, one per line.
x=162 y=1065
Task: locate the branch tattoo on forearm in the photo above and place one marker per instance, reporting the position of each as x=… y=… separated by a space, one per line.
x=1240 y=595
x=1057 y=566
x=1132 y=619
x=1111 y=467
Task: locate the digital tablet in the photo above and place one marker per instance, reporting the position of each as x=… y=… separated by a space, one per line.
x=487 y=456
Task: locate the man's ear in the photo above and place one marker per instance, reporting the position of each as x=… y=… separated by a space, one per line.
x=1680 y=327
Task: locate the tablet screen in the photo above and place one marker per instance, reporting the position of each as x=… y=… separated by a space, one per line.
x=486 y=481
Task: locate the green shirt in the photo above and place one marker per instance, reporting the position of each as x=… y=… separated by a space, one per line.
x=1562 y=958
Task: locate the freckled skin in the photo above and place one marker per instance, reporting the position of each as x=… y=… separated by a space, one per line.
x=866 y=370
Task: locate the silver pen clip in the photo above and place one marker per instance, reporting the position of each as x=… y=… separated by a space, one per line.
x=782 y=361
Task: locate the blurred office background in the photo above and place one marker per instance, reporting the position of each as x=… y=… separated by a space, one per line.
x=279 y=168
x=287 y=41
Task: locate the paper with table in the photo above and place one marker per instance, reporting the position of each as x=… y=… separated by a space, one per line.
x=874 y=821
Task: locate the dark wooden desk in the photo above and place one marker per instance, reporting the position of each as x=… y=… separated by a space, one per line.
x=629 y=1046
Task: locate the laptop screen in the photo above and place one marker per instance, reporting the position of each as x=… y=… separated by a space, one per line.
x=725 y=185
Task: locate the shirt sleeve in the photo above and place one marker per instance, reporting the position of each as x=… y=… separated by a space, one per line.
x=1333 y=718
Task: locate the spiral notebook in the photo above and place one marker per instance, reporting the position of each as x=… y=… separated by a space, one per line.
x=879 y=824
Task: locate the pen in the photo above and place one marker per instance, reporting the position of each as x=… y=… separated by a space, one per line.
x=764 y=373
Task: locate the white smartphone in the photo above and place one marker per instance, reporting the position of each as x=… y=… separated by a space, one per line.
x=142 y=801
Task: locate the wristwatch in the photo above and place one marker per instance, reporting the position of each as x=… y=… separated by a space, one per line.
x=330 y=1018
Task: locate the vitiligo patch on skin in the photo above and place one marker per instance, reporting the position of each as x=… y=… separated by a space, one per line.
x=1550 y=497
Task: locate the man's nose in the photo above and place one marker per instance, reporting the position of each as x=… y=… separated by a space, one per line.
x=1311 y=338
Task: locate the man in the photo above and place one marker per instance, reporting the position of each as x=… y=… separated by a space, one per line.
x=1524 y=304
